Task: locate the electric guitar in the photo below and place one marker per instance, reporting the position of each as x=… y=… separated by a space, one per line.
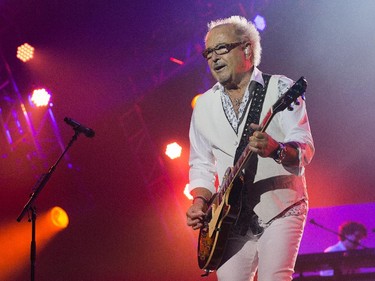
x=223 y=210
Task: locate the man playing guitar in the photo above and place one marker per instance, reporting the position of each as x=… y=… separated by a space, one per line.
x=262 y=211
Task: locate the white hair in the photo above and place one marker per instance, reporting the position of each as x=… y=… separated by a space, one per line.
x=245 y=30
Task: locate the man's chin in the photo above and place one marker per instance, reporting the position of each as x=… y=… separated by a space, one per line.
x=223 y=80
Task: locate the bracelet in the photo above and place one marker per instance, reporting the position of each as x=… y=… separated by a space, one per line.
x=201 y=197
x=280 y=153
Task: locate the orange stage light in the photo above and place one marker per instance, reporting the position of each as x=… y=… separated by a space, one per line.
x=15 y=240
x=194 y=101
x=25 y=52
x=59 y=217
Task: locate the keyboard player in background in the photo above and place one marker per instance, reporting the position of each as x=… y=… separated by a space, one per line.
x=350 y=236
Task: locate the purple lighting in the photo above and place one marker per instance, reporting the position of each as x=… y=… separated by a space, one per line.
x=260 y=22
x=9 y=138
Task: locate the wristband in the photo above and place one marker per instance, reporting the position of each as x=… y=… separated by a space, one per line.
x=200 y=197
x=280 y=153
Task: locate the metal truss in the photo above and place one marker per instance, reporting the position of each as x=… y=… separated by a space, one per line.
x=27 y=138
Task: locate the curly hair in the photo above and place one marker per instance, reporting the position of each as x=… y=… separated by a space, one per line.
x=245 y=30
x=351 y=227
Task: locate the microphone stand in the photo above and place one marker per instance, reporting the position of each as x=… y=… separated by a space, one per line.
x=312 y=221
x=30 y=205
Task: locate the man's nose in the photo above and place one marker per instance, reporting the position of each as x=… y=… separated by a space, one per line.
x=215 y=57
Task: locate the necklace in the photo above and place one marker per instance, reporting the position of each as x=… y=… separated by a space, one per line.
x=237 y=101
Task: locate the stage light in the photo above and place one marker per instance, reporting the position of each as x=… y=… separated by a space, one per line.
x=194 y=100
x=180 y=62
x=173 y=150
x=15 y=239
x=59 y=217
x=25 y=52
x=187 y=193
x=260 y=22
x=40 y=97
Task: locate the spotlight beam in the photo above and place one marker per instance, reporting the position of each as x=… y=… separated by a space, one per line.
x=14 y=243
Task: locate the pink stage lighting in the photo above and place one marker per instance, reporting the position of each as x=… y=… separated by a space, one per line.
x=40 y=97
x=173 y=150
x=25 y=52
x=180 y=62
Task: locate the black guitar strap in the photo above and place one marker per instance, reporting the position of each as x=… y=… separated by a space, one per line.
x=258 y=92
x=247 y=217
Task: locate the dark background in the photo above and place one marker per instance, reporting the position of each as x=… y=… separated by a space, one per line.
x=107 y=66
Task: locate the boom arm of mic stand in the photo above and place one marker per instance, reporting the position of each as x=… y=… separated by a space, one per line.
x=44 y=179
x=30 y=204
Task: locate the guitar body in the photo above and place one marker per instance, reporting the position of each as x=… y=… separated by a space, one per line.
x=213 y=236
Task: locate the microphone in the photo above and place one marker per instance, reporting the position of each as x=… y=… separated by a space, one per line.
x=79 y=127
x=312 y=221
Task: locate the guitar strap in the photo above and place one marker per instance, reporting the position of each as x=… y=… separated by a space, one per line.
x=258 y=92
x=247 y=218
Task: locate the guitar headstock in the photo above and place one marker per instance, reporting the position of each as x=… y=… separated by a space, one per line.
x=297 y=90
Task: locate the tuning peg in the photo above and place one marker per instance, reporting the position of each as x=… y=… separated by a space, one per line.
x=290 y=108
x=296 y=102
x=303 y=96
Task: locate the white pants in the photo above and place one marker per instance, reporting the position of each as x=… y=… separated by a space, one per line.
x=273 y=254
